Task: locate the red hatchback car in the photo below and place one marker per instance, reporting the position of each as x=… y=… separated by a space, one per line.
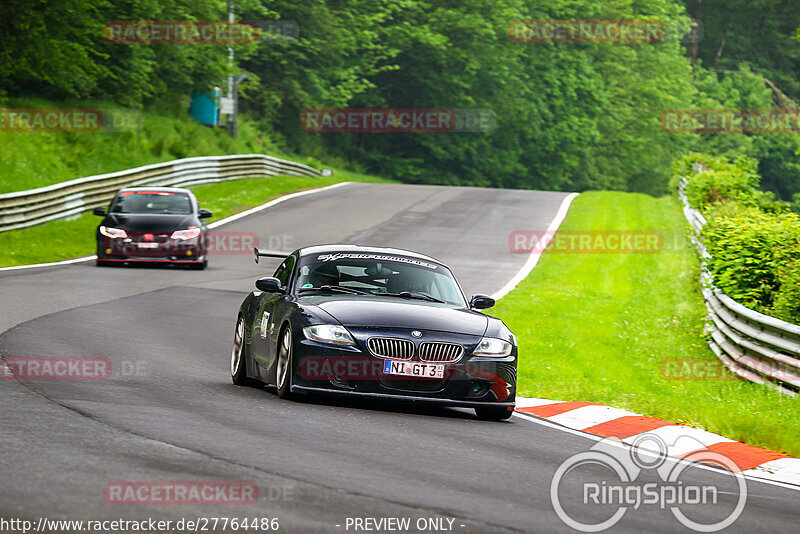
x=153 y=225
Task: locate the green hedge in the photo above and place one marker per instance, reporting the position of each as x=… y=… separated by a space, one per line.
x=754 y=240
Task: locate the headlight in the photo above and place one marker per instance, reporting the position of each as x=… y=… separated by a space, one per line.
x=185 y=235
x=113 y=233
x=490 y=346
x=328 y=333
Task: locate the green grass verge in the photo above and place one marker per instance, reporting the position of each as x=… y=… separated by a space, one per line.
x=36 y=159
x=72 y=238
x=603 y=327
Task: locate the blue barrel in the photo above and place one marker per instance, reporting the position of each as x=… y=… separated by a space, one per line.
x=205 y=107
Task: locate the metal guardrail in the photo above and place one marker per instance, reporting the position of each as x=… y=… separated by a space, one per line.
x=22 y=209
x=752 y=345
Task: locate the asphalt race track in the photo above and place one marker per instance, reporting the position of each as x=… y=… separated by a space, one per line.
x=170 y=413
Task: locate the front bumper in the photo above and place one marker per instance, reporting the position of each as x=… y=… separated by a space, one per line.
x=158 y=251
x=402 y=398
x=152 y=260
x=470 y=381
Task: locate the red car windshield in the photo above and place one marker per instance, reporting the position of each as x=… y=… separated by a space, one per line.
x=156 y=202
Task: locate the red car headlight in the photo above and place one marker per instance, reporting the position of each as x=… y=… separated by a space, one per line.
x=185 y=235
x=113 y=233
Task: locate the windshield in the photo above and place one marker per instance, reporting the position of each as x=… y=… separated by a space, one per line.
x=380 y=274
x=152 y=202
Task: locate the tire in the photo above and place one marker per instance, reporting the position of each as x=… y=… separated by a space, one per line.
x=198 y=266
x=493 y=413
x=283 y=372
x=238 y=357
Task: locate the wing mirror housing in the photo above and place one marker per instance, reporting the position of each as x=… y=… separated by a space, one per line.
x=270 y=284
x=481 y=302
x=204 y=213
x=101 y=211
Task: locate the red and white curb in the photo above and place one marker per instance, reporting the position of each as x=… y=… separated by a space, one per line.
x=606 y=422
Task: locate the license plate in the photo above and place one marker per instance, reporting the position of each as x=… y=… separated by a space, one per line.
x=148 y=245
x=423 y=370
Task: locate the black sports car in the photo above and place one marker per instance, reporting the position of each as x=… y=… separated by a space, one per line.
x=153 y=225
x=375 y=323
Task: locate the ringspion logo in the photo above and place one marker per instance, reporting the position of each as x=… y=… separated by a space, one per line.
x=593 y=490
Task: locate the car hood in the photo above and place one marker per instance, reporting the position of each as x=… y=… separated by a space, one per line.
x=149 y=222
x=393 y=312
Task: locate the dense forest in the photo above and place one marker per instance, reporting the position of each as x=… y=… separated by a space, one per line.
x=567 y=115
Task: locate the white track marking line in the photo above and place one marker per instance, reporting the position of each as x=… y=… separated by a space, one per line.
x=588 y=416
x=524 y=402
x=533 y=258
x=37 y=265
x=284 y=198
x=781 y=470
x=216 y=224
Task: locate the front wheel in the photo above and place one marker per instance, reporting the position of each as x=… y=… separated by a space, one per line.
x=493 y=413
x=238 y=364
x=284 y=370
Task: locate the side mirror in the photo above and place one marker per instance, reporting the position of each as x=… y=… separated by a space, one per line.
x=100 y=211
x=204 y=214
x=481 y=302
x=270 y=284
